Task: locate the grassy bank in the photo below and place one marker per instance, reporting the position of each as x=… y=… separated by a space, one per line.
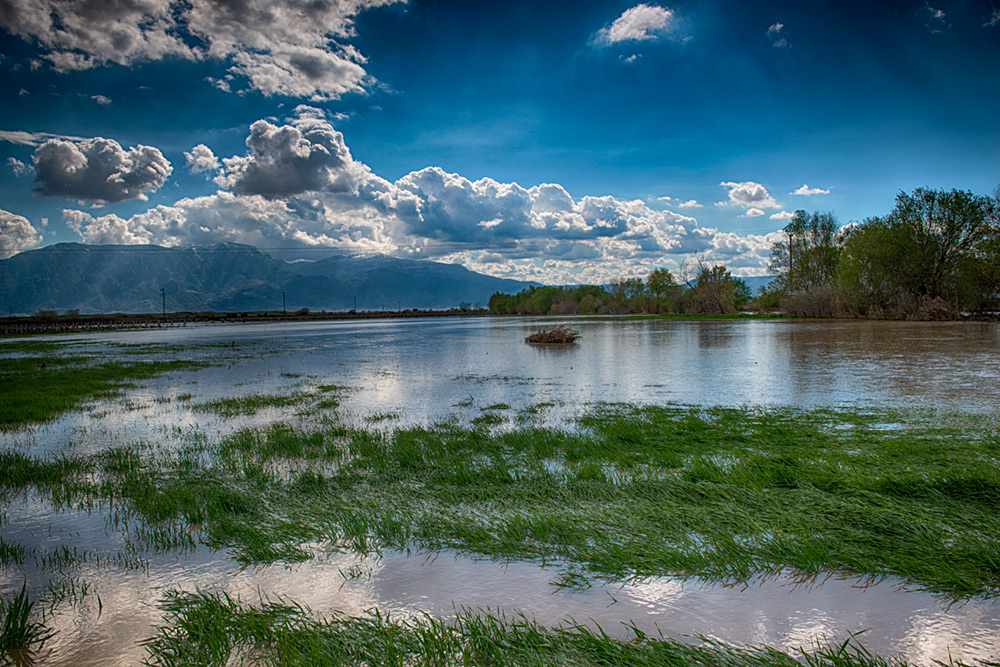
x=720 y=493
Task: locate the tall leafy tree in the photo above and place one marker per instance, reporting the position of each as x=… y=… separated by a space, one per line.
x=945 y=228
x=811 y=254
x=717 y=292
x=934 y=244
x=877 y=265
x=660 y=283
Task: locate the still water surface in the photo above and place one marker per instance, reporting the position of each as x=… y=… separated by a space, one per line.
x=403 y=372
x=423 y=371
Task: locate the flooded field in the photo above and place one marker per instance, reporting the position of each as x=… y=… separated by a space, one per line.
x=102 y=572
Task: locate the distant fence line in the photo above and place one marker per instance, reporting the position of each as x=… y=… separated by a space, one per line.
x=13 y=326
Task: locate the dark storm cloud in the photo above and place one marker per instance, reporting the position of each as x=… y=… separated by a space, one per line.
x=97 y=170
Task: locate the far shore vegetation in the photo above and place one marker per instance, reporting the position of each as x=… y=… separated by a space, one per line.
x=935 y=256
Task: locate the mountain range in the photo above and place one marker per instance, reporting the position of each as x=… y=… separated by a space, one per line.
x=229 y=277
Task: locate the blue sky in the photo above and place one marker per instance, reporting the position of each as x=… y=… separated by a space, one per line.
x=560 y=142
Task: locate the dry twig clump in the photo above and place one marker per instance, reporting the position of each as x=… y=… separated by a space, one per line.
x=561 y=335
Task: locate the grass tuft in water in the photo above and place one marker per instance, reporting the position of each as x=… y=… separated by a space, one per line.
x=208 y=629
x=17 y=629
x=249 y=404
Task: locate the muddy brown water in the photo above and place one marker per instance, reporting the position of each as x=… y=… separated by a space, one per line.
x=419 y=372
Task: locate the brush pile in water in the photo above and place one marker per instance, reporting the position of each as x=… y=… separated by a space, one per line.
x=560 y=335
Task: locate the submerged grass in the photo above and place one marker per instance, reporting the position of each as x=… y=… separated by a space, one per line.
x=40 y=380
x=36 y=389
x=249 y=404
x=207 y=629
x=720 y=493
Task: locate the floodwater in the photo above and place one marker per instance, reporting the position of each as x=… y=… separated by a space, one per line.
x=403 y=372
x=426 y=370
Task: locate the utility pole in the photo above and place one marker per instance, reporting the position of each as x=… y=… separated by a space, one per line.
x=163 y=295
x=283 y=310
x=789 y=232
x=355 y=304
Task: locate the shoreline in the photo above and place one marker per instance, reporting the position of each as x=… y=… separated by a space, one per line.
x=34 y=324
x=49 y=323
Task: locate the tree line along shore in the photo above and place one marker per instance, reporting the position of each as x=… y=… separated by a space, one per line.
x=935 y=256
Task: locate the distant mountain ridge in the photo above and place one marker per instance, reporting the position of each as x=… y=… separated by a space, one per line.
x=756 y=283
x=229 y=277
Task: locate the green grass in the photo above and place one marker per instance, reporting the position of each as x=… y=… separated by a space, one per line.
x=39 y=380
x=325 y=397
x=36 y=389
x=29 y=346
x=488 y=419
x=538 y=407
x=381 y=417
x=206 y=629
x=17 y=629
x=719 y=493
x=249 y=404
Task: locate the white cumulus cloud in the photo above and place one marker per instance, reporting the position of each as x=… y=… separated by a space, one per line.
x=806 y=191
x=749 y=195
x=313 y=72
x=298 y=188
x=201 y=158
x=286 y=47
x=17 y=167
x=285 y=160
x=640 y=23
x=16 y=234
x=266 y=223
x=97 y=170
